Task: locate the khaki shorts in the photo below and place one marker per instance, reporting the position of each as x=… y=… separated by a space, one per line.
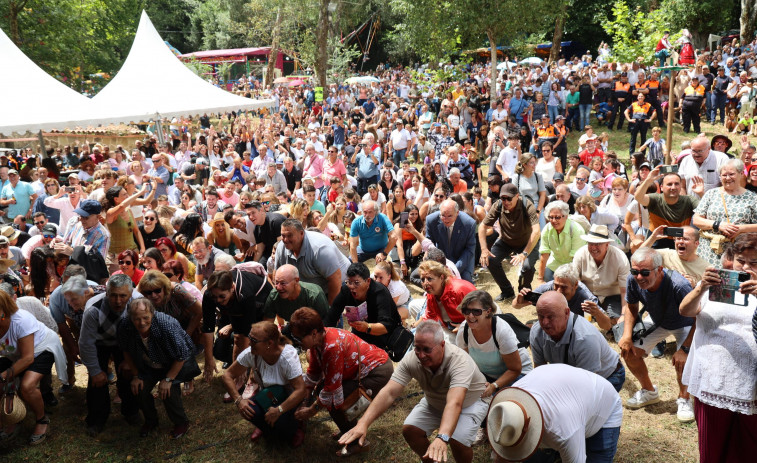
x=427 y=418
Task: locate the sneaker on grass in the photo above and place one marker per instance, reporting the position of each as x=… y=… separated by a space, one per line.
x=685 y=410
x=642 y=398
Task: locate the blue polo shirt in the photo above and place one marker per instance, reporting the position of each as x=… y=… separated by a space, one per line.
x=22 y=193
x=374 y=237
x=662 y=305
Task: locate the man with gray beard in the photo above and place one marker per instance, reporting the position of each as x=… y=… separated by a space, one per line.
x=205 y=256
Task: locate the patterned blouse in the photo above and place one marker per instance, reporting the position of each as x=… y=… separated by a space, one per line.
x=338 y=359
x=739 y=209
x=167 y=342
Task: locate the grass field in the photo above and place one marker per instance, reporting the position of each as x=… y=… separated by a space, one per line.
x=219 y=434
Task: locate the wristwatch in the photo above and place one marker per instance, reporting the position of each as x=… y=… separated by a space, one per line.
x=168 y=379
x=685 y=350
x=369 y=329
x=496 y=386
x=716 y=226
x=524 y=253
x=443 y=437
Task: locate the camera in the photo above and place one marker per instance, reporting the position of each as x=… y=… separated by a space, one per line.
x=498 y=139
x=532 y=297
x=672 y=169
x=673 y=231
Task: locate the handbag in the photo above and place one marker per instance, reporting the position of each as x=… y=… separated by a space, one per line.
x=13 y=409
x=357 y=402
x=400 y=341
x=271 y=396
x=718 y=241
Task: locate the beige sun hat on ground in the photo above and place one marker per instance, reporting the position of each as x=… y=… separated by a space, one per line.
x=515 y=424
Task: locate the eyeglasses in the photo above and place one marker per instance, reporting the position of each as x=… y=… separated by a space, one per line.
x=645 y=272
x=150 y=219
x=425 y=350
x=168 y=275
x=555 y=217
x=580 y=179
x=150 y=292
x=475 y=312
x=124 y=262
x=353 y=283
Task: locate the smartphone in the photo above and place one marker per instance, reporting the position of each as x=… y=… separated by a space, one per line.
x=404 y=216
x=673 y=231
x=672 y=169
x=532 y=297
x=70 y=189
x=727 y=291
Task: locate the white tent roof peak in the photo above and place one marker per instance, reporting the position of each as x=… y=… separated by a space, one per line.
x=153 y=82
x=33 y=100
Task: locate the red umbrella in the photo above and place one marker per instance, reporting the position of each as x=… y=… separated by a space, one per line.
x=296 y=83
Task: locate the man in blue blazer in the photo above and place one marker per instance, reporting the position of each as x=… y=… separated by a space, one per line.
x=454 y=234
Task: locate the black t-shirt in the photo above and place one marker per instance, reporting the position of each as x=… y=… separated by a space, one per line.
x=585 y=94
x=356 y=117
x=245 y=308
x=292 y=177
x=190 y=169
x=269 y=232
x=380 y=306
x=205 y=121
x=151 y=238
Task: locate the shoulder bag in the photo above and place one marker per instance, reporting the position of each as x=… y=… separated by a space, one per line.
x=357 y=402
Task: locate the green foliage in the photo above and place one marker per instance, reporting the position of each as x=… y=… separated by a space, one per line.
x=701 y=17
x=634 y=32
x=340 y=59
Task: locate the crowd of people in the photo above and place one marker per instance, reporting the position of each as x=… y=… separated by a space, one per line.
x=243 y=242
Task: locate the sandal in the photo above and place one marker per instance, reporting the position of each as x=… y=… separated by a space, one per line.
x=353 y=448
x=9 y=436
x=36 y=439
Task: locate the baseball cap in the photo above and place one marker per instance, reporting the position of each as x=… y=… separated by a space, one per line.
x=12 y=171
x=4 y=240
x=560 y=118
x=645 y=164
x=558 y=176
x=508 y=191
x=202 y=161
x=50 y=229
x=88 y=207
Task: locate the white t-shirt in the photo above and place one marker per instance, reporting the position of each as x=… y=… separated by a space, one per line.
x=400 y=139
x=507 y=160
x=22 y=325
x=282 y=372
x=574 y=408
x=398 y=288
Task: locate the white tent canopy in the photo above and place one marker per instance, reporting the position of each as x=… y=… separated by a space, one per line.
x=154 y=83
x=33 y=100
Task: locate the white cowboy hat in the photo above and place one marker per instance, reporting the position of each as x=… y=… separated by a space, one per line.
x=598 y=234
x=515 y=424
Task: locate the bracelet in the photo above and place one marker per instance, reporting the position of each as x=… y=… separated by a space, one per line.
x=281 y=410
x=402 y=261
x=238 y=399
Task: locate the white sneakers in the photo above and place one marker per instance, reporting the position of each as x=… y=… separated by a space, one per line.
x=642 y=398
x=685 y=410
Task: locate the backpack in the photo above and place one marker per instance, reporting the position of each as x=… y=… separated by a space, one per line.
x=92 y=261
x=522 y=332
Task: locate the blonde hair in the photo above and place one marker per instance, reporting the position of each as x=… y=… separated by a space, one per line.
x=524 y=159
x=389 y=269
x=297 y=209
x=435 y=268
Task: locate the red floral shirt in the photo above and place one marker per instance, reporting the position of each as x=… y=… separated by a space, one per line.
x=338 y=359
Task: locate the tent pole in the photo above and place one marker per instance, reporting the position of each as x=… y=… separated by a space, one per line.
x=42 y=145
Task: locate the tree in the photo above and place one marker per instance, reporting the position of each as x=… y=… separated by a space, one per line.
x=634 y=33
x=700 y=17
x=748 y=20
x=554 y=52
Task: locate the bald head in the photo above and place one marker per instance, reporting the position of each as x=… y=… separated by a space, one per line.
x=288 y=271
x=553 y=313
x=287 y=282
x=448 y=211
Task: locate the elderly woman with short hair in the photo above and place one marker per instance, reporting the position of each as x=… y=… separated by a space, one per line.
x=158 y=351
x=560 y=239
x=724 y=213
x=172 y=299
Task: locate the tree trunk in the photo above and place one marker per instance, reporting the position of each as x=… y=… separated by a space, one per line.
x=554 y=53
x=13 y=11
x=274 y=54
x=747 y=20
x=321 y=41
x=493 y=70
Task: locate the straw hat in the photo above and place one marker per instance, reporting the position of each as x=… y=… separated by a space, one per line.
x=217 y=217
x=10 y=232
x=6 y=264
x=515 y=424
x=598 y=234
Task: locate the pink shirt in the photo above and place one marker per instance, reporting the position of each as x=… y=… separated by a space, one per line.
x=314 y=167
x=333 y=170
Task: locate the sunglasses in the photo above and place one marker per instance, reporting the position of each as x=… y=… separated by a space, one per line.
x=39 y=223
x=48 y=236
x=149 y=219
x=645 y=272
x=124 y=262
x=150 y=292
x=476 y=312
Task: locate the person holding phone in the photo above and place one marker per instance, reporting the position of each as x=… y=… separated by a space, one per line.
x=722 y=370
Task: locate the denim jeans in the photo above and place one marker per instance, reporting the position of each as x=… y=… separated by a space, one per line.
x=398 y=156
x=585 y=110
x=601 y=447
x=618 y=377
x=574 y=119
x=718 y=103
x=554 y=111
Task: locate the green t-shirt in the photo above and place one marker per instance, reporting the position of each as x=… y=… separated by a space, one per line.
x=676 y=215
x=310 y=296
x=572 y=98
